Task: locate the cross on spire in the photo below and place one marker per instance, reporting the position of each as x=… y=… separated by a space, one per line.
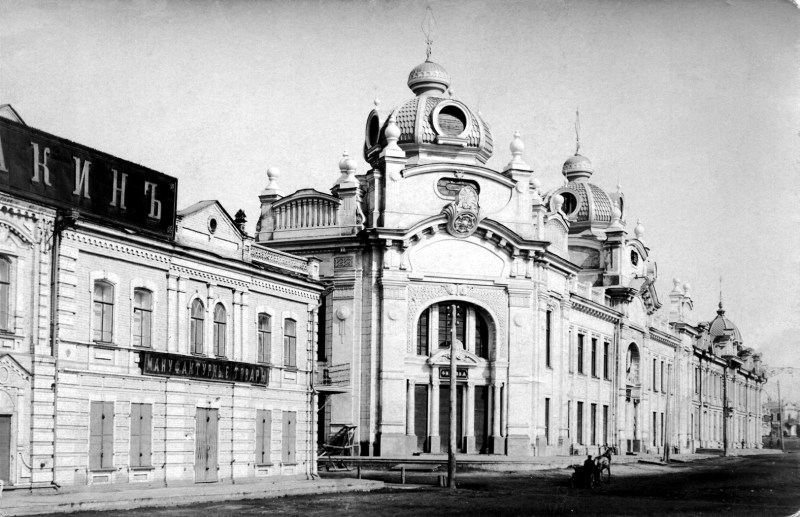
x=428 y=28
x=577 y=131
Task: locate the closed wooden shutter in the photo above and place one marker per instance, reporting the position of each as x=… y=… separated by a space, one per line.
x=421 y=415
x=136 y=425
x=288 y=437
x=145 y=432
x=108 y=435
x=263 y=436
x=95 y=435
x=101 y=435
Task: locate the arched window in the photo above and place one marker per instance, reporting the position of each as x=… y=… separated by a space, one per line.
x=220 y=321
x=196 y=327
x=632 y=365
x=264 y=337
x=5 y=288
x=289 y=343
x=471 y=324
x=142 y=317
x=103 y=305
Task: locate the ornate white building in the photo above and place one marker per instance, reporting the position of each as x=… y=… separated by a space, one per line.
x=561 y=345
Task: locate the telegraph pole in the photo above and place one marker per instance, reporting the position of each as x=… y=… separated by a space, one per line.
x=451 y=454
x=780 y=414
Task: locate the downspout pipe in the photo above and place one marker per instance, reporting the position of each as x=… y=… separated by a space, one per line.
x=64 y=220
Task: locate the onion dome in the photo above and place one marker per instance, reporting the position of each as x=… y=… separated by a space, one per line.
x=428 y=78
x=577 y=168
x=586 y=203
x=722 y=328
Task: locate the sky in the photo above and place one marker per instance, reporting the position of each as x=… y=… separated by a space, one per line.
x=692 y=107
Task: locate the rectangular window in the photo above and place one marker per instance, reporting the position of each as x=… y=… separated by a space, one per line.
x=101 y=436
x=446 y=321
x=569 y=418
x=103 y=306
x=322 y=315
x=142 y=317
x=580 y=353
x=569 y=347
x=547 y=337
x=605 y=425
x=423 y=333
x=289 y=438
x=655 y=376
x=655 y=428
x=606 y=346
x=593 y=422
x=580 y=423
x=264 y=337
x=5 y=288
x=141 y=418
x=663 y=384
x=289 y=343
x=594 y=357
x=263 y=436
x=547 y=421
x=661 y=432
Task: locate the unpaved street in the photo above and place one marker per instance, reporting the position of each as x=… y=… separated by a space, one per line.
x=754 y=485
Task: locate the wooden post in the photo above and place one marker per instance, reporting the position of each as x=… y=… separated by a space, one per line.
x=451 y=455
x=402 y=475
x=780 y=415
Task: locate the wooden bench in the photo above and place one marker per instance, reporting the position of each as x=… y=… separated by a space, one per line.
x=413 y=467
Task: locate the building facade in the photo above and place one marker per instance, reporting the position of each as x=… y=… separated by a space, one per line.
x=141 y=344
x=560 y=342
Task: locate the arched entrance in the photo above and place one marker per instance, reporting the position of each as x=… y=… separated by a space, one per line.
x=633 y=394
x=475 y=411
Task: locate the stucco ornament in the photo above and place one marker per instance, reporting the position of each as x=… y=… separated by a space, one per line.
x=463 y=214
x=343 y=312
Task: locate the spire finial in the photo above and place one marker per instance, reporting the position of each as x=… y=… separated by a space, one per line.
x=428 y=26
x=577 y=131
x=720 y=291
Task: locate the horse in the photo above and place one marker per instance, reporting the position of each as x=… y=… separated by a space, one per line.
x=603 y=462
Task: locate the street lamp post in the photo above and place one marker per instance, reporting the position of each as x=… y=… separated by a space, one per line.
x=451 y=454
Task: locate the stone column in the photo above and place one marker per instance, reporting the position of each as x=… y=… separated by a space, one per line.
x=469 y=418
x=433 y=416
x=497 y=442
x=392 y=378
x=249 y=354
x=519 y=392
x=182 y=318
x=411 y=438
x=172 y=313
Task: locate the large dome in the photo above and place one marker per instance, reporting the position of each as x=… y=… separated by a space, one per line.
x=585 y=202
x=721 y=328
x=433 y=126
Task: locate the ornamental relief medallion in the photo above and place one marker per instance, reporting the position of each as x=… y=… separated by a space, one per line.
x=463 y=214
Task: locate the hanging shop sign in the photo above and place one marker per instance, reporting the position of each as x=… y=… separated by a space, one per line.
x=174 y=365
x=56 y=172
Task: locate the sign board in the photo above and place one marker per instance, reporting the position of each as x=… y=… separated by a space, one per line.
x=191 y=367
x=461 y=373
x=56 y=172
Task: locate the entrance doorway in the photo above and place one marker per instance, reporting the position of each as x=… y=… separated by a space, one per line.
x=5 y=448
x=205 y=454
x=481 y=419
x=444 y=417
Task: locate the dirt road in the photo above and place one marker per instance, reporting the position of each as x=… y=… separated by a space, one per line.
x=752 y=486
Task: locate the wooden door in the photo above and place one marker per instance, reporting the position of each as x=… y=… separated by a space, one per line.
x=5 y=448
x=421 y=416
x=205 y=455
x=444 y=417
x=481 y=420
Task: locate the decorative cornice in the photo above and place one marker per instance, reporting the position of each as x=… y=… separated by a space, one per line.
x=593 y=309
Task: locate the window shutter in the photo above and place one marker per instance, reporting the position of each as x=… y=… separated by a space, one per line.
x=145 y=438
x=108 y=435
x=95 y=435
x=259 y=437
x=267 y=438
x=136 y=424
